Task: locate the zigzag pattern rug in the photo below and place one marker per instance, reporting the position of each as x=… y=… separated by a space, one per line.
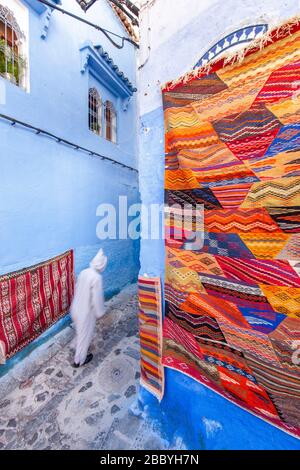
x=233 y=307
x=32 y=299
x=150 y=322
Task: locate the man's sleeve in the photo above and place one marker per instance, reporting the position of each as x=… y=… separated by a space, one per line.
x=98 y=298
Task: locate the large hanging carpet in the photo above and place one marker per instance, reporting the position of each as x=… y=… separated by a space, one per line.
x=232 y=137
x=32 y=299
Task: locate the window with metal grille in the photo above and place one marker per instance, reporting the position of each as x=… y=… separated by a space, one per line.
x=95 y=111
x=12 y=63
x=110 y=122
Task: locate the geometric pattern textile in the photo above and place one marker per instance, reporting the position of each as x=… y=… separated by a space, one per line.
x=232 y=315
x=150 y=321
x=32 y=299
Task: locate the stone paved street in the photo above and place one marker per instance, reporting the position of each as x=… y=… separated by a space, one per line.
x=47 y=404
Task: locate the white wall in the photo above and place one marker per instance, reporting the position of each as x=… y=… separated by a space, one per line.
x=176 y=33
x=20 y=11
x=21 y=14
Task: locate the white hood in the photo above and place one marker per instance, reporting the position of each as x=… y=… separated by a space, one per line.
x=99 y=262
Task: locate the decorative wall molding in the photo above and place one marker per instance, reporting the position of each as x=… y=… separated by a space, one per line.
x=125 y=103
x=40 y=7
x=46 y=26
x=240 y=36
x=101 y=66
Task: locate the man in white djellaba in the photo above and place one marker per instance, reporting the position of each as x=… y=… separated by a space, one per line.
x=88 y=306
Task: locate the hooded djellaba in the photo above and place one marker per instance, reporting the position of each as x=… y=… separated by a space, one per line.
x=88 y=306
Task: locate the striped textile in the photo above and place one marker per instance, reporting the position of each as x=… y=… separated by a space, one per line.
x=232 y=137
x=150 y=320
x=32 y=299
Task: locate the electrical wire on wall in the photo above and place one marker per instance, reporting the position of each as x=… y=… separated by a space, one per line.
x=107 y=33
x=60 y=140
x=38 y=131
x=147 y=6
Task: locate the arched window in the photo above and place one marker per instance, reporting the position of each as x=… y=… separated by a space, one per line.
x=12 y=64
x=95 y=111
x=110 y=122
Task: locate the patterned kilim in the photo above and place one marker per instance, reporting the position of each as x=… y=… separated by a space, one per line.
x=32 y=299
x=150 y=319
x=233 y=307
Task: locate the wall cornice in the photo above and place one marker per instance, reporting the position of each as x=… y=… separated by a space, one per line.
x=100 y=65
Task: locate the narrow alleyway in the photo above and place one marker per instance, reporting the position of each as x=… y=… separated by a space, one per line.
x=47 y=404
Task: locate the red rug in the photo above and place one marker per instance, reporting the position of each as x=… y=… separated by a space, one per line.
x=32 y=299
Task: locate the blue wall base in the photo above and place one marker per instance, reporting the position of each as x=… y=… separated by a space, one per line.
x=199 y=419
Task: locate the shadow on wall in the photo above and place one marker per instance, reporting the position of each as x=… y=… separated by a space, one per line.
x=221 y=424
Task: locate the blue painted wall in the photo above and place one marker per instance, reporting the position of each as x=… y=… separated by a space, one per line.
x=195 y=418
x=49 y=192
x=190 y=415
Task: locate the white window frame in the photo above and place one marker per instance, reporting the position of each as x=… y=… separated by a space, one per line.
x=14 y=17
x=111 y=122
x=95 y=111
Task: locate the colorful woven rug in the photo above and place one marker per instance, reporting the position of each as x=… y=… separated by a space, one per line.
x=233 y=306
x=150 y=319
x=32 y=299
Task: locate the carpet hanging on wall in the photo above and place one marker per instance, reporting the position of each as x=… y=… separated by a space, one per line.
x=150 y=321
x=233 y=307
x=32 y=299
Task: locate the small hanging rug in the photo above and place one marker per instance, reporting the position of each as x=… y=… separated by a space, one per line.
x=32 y=299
